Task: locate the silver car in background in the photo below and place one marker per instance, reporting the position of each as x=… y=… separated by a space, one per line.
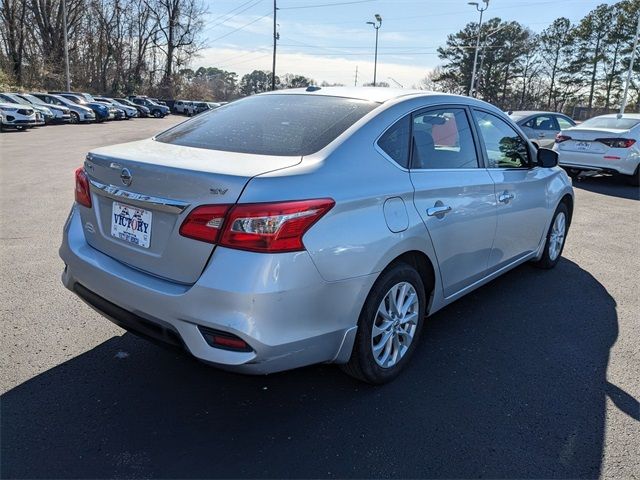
x=311 y=225
x=61 y=113
x=605 y=144
x=542 y=127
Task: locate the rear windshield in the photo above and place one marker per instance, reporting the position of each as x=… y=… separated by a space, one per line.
x=610 y=122
x=271 y=124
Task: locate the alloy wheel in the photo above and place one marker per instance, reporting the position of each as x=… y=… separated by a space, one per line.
x=395 y=324
x=556 y=239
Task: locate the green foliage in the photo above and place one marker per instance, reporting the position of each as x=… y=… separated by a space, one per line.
x=564 y=65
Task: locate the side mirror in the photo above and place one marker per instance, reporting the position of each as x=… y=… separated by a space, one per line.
x=547 y=158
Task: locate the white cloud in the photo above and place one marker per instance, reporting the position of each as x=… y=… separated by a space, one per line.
x=332 y=69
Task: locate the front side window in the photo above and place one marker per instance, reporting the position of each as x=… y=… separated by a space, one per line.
x=542 y=122
x=395 y=141
x=442 y=139
x=288 y=125
x=503 y=146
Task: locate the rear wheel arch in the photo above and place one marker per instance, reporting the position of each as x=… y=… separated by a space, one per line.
x=422 y=263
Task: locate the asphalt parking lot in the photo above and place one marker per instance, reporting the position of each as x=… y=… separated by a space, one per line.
x=534 y=375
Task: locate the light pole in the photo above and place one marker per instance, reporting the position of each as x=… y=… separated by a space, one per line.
x=475 y=57
x=484 y=53
x=66 y=45
x=377 y=24
x=623 y=105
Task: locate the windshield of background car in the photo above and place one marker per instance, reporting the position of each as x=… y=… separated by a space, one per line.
x=610 y=122
x=271 y=124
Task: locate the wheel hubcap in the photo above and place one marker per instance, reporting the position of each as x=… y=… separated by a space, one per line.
x=556 y=239
x=395 y=324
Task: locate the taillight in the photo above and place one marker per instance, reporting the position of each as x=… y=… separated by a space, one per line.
x=82 y=192
x=562 y=138
x=204 y=223
x=272 y=227
x=257 y=227
x=617 y=142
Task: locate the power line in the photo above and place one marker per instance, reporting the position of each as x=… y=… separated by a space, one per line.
x=234 y=14
x=327 y=4
x=240 y=27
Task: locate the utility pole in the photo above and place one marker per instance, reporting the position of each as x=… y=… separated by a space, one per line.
x=377 y=24
x=66 y=45
x=275 y=40
x=355 y=83
x=628 y=81
x=475 y=57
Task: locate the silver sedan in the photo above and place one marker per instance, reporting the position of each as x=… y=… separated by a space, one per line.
x=542 y=127
x=311 y=225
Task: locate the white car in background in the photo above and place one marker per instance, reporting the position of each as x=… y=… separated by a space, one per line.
x=15 y=115
x=607 y=144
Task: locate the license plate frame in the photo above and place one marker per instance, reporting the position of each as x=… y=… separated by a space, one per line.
x=131 y=224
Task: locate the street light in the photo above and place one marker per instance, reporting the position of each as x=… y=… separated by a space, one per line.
x=377 y=24
x=623 y=104
x=475 y=57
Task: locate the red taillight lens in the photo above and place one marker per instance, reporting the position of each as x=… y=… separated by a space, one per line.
x=272 y=227
x=82 y=193
x=562 y=138
x=617 y=142
x=204 y=223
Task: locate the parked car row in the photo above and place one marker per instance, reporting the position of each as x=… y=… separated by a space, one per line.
x=603 y=144
x=26 y=110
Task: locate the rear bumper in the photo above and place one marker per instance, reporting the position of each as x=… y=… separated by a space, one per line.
x=591 y=161
x=278 y=304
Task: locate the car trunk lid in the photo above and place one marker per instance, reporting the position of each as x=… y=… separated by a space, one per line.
x=584 y=139
x=142 y=192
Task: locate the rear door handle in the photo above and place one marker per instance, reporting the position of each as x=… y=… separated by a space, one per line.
x=541 y=135
x=438 y=211
x=505 y=197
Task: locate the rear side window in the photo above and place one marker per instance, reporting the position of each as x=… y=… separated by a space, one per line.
x=442 y=139
x=395 y=141
x=542 y=122
x=271 y=124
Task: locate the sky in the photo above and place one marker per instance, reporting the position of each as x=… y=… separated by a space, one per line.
x=329 y=42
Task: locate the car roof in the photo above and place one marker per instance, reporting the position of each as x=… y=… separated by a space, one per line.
x=373 y=94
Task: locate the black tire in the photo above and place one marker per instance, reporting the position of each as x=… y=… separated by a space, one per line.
x=362 y=364
x=157 y=114
x=635 y=178
x=547 y=261
x=75 y=118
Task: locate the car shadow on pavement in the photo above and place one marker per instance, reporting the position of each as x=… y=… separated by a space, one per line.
x=611 y=185
x=509 y=381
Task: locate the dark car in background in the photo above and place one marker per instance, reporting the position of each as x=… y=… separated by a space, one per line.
x=542 y=127
x=157 y=110
x=142 y=110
